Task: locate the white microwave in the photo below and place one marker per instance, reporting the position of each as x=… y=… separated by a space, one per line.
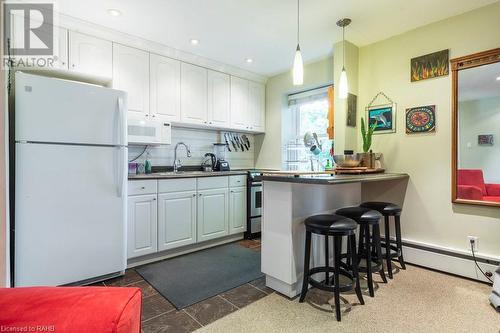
x=143 y=131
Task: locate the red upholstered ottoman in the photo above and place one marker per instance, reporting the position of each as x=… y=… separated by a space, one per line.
x=70 y=309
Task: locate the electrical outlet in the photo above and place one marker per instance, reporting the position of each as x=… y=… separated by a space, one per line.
x=473 y=242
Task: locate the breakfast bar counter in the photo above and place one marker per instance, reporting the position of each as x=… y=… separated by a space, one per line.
x=289 y=199
x=330 y=179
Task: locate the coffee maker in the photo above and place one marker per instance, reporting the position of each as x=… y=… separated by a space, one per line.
x=220 y=150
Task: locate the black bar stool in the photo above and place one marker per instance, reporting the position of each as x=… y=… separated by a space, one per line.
x=337 y=227
x=389 y=209
x=369 y=242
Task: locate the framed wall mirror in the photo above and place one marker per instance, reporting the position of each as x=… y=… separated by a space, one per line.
x=476 y=129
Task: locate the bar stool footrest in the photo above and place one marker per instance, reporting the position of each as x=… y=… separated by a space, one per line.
x=395 y=252
x=331 y=288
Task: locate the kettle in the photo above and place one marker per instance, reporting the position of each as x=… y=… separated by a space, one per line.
x=213 y=160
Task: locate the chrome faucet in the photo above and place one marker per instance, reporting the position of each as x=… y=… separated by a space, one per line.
x=177 y=162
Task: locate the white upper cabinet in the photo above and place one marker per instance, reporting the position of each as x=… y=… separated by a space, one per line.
x=239 y=103
x=60 y=45
x=90 y=55
x=256 y=106
x=193 y=94
x=219 y=99
x=131 y=74
x=62 y=49
x=160 y=87
x=165 y=85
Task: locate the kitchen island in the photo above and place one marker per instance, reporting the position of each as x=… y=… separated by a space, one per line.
x=289 y=199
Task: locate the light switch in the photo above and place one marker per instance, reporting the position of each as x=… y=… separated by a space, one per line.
x=469 y=145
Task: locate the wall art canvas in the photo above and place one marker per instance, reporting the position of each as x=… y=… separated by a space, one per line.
x=351 y=110
x=421 y=119
x=384 y=116
x=485 y=139
x=430 y=65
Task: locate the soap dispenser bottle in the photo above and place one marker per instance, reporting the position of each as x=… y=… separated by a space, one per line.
x=147 y=163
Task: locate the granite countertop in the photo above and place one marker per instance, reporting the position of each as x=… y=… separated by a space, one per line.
x=186 y=174
x=168 y=174
x=327 y=179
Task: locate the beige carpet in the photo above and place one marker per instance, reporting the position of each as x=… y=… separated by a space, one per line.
x=417 y=300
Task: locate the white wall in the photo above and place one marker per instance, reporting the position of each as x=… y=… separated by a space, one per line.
x=480 y=116
x=269 y=146
x=428 y=214
x=346 y=137
x=200 y=142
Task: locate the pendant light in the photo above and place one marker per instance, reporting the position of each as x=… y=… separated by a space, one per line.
x=298 y=64
x=343 y=85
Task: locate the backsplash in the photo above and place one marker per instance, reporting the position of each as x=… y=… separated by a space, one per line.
x=200 y=142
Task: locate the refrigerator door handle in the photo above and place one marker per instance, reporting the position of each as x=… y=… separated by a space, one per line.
x=120 y=157
x=120 y=126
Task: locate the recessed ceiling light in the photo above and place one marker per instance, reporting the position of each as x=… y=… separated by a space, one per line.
x=114 y=12
x=498 y=78
x=194 y=41
x=249 y=60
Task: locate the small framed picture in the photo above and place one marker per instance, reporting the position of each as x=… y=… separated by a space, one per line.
x=351 y=110
x=421 y=119
x=384 y=116
x=485 y=139
x=430 y=65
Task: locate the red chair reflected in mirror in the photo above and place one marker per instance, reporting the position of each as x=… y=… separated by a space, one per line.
x=471 y=186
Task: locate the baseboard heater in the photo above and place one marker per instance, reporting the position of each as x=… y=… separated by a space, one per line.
x=449 y=261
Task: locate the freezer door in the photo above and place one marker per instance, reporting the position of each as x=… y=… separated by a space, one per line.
x=55 y=110
x=70 y=213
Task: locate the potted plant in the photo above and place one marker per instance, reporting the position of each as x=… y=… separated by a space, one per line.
x=367 y=157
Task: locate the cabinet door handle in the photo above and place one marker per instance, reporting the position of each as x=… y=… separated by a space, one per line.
x=194 y=195
x=154 y=199
x=143 y=188
x=199 y=195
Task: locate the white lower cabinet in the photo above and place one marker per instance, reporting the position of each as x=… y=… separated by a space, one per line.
x=170 y=213
x=176 y=219
x=237 y=210
x=213 y=214
x=141 y=225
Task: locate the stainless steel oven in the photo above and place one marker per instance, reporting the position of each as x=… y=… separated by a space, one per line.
x=254 y=206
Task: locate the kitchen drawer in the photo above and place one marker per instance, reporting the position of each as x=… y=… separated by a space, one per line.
x=237 y=181
x=207 y=183
x=138 y=187
x=176 y=185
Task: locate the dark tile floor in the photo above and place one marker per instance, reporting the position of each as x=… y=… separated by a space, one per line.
x=158 y=315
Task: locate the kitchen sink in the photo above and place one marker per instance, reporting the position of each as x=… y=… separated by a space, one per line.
x=184 y=173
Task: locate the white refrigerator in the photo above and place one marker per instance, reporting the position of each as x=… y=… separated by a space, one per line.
x=70 y=181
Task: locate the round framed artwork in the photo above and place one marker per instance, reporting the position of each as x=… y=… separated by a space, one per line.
x=421 y=119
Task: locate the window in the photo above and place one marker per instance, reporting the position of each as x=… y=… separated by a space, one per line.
x=313 y=117
x=310 y=111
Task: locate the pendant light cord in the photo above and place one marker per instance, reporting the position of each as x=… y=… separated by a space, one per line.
x=343 y=47
x=298 y=22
